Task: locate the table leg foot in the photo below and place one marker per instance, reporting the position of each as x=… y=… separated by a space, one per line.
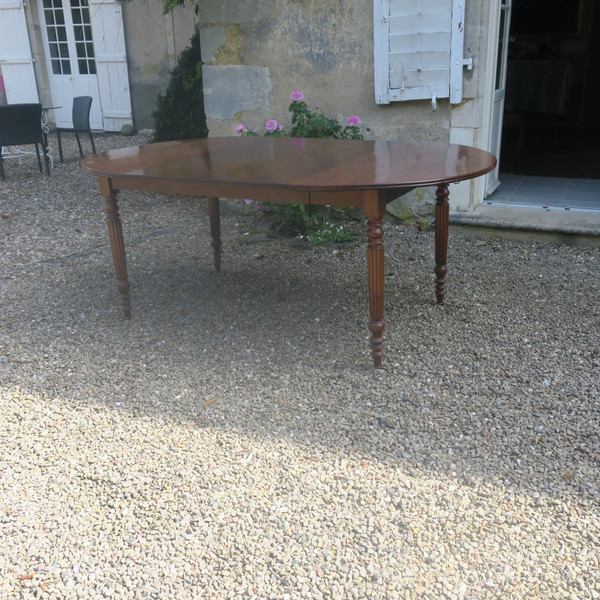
x=376 y=328
x=117 y=247
x=214 y=213
x=441 y=241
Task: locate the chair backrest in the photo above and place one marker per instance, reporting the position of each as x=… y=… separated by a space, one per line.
x=21 y=124
x=81 y=113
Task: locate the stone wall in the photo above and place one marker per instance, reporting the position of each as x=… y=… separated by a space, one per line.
x=258 y=52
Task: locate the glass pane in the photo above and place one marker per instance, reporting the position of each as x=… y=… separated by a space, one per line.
x=53 y=50
x=56 y=67
x=76 y=16
x=49 y=17
x=83 y=70
x=90 y=49
x=66 y=65
x=60 y=18
x=88 y=32
x=52 y=37
x=63 y=50
x=85 y=15
x=78 y=31
x=62 y=34
x=92 y=67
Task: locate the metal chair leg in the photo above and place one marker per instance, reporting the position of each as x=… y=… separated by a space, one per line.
x=60 y=152
x=37 y=151
x=79 y=144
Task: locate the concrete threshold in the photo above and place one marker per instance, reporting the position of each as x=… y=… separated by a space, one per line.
x=574 y=228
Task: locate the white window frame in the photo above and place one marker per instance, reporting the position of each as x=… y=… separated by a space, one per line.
x=445 y=82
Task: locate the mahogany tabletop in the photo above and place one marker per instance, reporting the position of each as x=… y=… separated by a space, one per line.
x=295 y=163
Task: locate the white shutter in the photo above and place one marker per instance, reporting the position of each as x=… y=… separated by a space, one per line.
x=111 y=63
x=15 y=54
x=418 y=49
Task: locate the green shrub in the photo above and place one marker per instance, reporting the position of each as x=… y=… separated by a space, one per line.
x=179 y=113
x=313 y=223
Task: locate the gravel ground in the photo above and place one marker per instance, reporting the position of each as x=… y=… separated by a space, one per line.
x=232 y=441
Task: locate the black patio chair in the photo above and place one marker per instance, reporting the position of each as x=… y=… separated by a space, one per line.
x=81 y=124
x=21 y=124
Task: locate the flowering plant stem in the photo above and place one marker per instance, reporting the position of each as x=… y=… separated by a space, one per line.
x=308 y=123
x=299 y=219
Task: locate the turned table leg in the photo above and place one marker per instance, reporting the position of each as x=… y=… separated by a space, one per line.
x=214 y=215
x=117 y=246
x=374 y=209
x=441 y=241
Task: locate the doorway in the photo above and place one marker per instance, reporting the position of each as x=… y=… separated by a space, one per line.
x=550 y=125
x=70 y=57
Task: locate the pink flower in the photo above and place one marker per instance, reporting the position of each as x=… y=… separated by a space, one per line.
x=272 y=126
x=241 y=128
x=296 y=96
x=353 y=121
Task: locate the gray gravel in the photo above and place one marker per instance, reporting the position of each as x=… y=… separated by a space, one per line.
x=232 y=441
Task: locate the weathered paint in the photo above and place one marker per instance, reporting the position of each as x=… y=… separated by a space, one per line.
x=229 y=53
x=231 y=88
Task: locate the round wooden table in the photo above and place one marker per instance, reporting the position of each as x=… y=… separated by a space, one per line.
x=363 y=174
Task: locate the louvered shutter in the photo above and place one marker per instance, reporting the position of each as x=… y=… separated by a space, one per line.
x=15 y=54
x=106 y=18
x=418 y=49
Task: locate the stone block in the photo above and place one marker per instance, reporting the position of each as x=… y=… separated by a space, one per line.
x=211 y=39
x=230 y=89
x=418 y=206
x=240 y=11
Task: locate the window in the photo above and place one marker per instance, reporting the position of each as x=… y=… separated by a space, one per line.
x=57 y=37
x=83 y=37
x=62 y=34
x=418 y=49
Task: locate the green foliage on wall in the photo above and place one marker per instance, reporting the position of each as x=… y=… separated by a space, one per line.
x=179 y=113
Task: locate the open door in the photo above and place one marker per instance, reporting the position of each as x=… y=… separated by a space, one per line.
x=84 y=44
x=492 y=179
x=70 y=58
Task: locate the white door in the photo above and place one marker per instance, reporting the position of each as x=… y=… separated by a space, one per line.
x=492 y=180
x=85 y=55
x=70 y=57
x=15 y=54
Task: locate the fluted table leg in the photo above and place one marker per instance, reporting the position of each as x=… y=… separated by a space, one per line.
x=214 y=215
x=441 y=241
x=374 y=209
x=117 y=246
